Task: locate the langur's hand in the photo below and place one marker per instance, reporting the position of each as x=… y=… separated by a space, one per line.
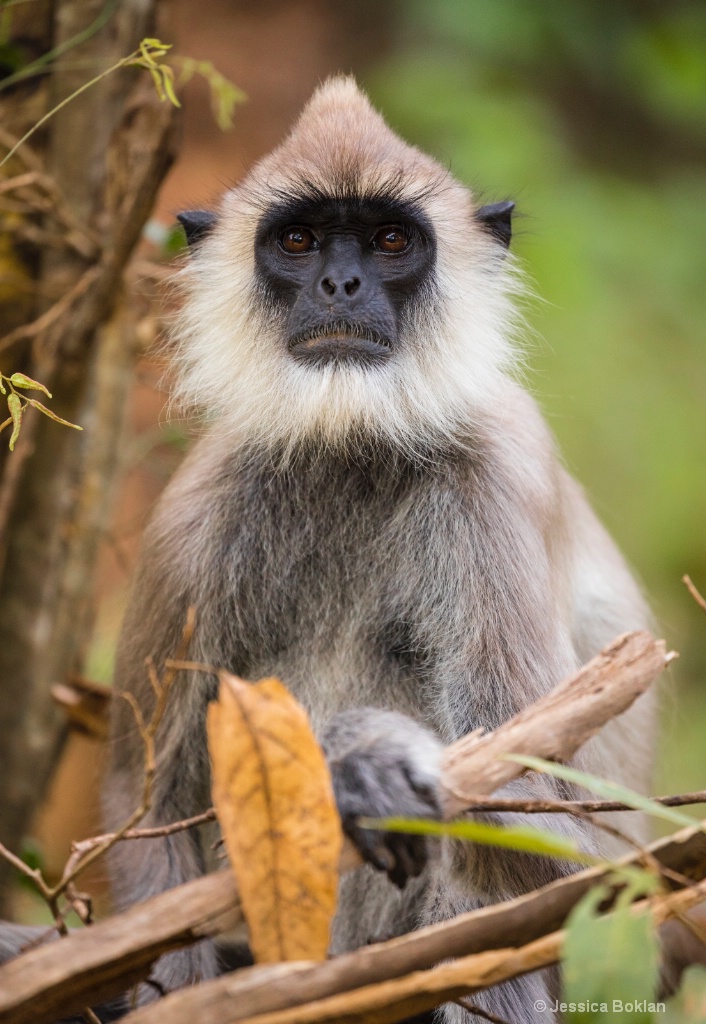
x=383 y=765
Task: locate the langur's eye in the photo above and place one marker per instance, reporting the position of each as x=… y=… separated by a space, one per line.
x=297 y=240
x=391 y=238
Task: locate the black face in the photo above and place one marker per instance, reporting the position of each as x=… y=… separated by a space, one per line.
x=344 y=272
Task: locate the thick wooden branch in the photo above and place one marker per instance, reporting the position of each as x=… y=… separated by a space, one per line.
x=518 y=922
x=42 y=983
x=399 y=998
x=101 y=961
x=395 y=999
x=558 y=724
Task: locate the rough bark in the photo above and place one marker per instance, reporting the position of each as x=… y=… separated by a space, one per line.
x=556 y=726
x=394 y=1000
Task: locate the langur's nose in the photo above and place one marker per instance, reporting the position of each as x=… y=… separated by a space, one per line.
x=332 y=286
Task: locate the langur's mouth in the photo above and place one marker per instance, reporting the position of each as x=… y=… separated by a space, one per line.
x=340 y=345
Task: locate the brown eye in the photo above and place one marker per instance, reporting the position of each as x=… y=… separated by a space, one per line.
x=297 y=240
x=391 y=239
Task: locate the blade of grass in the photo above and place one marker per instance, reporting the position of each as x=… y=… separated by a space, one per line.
x=603 y=788
x=522 y=838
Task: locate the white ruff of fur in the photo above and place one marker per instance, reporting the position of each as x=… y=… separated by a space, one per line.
x=449 y=366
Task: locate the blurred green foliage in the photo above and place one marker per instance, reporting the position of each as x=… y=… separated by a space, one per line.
x=611 y=960
x=591 y=115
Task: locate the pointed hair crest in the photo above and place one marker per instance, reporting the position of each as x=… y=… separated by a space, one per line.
x=343 y=146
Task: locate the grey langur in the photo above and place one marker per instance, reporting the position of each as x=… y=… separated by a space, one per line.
x=376 y=515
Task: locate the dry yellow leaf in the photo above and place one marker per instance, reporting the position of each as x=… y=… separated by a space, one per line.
x=274 y=800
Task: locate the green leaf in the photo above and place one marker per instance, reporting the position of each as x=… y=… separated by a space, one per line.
x=52 y=415
x=168 y=84
x=157 y=79
x=610 y=963
x=21 y=380
x=522 y=838
x=151 y=51
x=153 y=48
x=605 y=789
x=15 y=406
x=689 y=1004
x=3 y=389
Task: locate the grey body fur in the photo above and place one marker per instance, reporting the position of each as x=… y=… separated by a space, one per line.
x=453 y=591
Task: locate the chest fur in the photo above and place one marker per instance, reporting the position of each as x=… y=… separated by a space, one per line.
x=337 y=558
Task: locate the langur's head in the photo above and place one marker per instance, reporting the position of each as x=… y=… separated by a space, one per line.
x=348 y=288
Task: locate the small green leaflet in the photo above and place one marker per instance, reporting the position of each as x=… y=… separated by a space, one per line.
x=605 y=789
x=21 y=380
x=522 y=838
x=151 y=51
x=52 y=415
x=15 y=406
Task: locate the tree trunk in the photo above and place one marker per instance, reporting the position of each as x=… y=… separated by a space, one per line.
x=107 y=151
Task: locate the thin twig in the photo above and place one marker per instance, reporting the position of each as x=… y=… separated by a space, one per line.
x=520 y=806
x=79 y=860
x=42 y=62
x=51 y=930
x=154 y=681
x=33 y=873
x=86 y=851
x=610 y=830
x=84 y=845
x=81 y=903
x=39 y=191
x=571 y=806
x=190 y=666
x=700 y=600
x=466 y=1003
x=648 y=859
x=124 y=62
x=20 y=181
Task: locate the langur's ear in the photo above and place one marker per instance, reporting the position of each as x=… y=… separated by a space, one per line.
x=196 y=224
x=497 y=219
